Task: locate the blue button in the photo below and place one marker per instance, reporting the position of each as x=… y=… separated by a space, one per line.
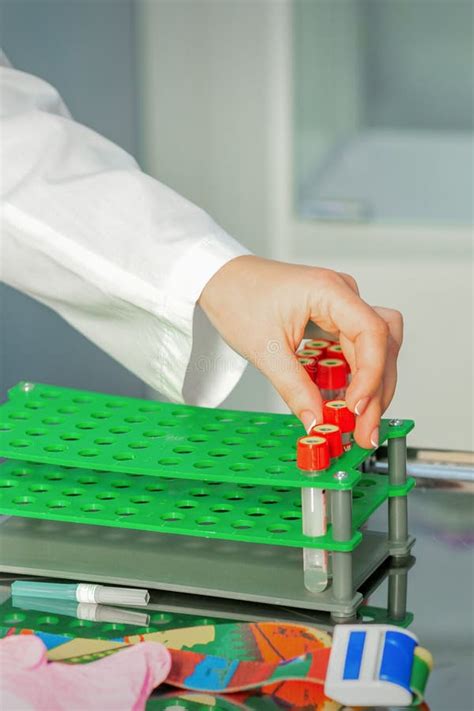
x=355 y=649
x=397 y=659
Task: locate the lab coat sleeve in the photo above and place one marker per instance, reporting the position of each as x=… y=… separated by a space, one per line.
x=117 y=254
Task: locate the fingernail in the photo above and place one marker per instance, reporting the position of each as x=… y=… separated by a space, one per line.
x=374 y=438
x=308 y=419
x=361 y=405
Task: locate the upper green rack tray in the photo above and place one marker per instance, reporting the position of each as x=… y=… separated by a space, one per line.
x=67 y=427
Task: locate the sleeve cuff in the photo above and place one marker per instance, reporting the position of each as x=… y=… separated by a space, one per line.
x=195 y=364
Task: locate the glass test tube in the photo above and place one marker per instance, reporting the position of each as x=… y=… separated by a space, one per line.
x=313 y=457
x=331 y=378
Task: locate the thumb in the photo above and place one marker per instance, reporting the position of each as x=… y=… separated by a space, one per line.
x=295 y=386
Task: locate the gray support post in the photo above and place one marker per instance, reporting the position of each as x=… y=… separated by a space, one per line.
x=341 y=508
x=397 y=505
x=397 y=593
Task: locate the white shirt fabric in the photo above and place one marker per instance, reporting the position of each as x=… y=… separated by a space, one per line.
x=117 y=254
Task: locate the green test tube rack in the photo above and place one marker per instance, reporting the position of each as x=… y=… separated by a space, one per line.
x=85 y=458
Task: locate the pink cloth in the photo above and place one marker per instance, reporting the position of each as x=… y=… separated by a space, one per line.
x=121 y=682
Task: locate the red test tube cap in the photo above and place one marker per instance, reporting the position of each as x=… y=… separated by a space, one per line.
x=334 y=438
x=319 y=343
x=337 y=413
x=335 y=351
x=312 y=453
x=311 y=353
x=332 y=374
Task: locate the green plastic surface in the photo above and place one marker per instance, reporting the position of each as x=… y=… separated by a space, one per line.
x=240 y=512
x=401 y=489
x=54 y=623
x=61 y=426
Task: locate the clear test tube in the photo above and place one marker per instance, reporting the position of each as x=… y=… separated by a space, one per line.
x=313 y=458
x=331 y=378
x=337 y=413
x=309 y=363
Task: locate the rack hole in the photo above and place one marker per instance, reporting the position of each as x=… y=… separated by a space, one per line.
x=153 y=434
x=92 y=508
x=86 y=425
x=234 y=496
x=20 y=443
x=8 y=483
x=207 y=521
x=199 y=492
x=70 y=437
x=288 y=458
x=242 y=524
x=218 y=452
x=124 y=456
x=246 y=430
x=88 y=480
x=233 y=441
x=120 y=484
x=155 y=487
x=269 y=500
x=38 y=488
x=54 y=476
x=278 y=528
x=268 y=443
x=88 y=452
x=254 y=455
x=36 y=432
x=172 y=516
x=212 y=427
x=256 y=512
x=73 y=492
x=119 y=430
x=57 y=504
x=204 y=464
x=140 y=499
x=52 y=421
x=127 y=511
x=115 y=404
x=19 y=416
x=240 y=467
x=291 y=515
x=183 y=450
x=140 y=444
x=82 y=399
x=186 y=505
x=24 y=500
x=104 y=441
x=106 y=496
x=198 y=438
x=168 y=461
x=21 y=471
x=68 y=410
x=221 y=508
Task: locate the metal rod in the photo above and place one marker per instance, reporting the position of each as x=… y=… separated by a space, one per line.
x=341 y=506
x=397 y=505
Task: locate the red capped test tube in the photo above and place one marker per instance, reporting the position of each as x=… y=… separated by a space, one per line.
x=333 y=435
x=336 y=412
x=331 y=378
x=313 y=457
x=335 y=351
x=310 y=364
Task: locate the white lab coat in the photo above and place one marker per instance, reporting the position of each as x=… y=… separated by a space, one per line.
x=117 y=254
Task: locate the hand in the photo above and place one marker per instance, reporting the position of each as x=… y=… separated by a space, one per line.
x=262 y=307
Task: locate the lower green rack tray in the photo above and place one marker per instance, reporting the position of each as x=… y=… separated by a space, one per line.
x=240 y=512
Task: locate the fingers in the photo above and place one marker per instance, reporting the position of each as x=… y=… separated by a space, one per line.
x=394 y=319
x=292 y=382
